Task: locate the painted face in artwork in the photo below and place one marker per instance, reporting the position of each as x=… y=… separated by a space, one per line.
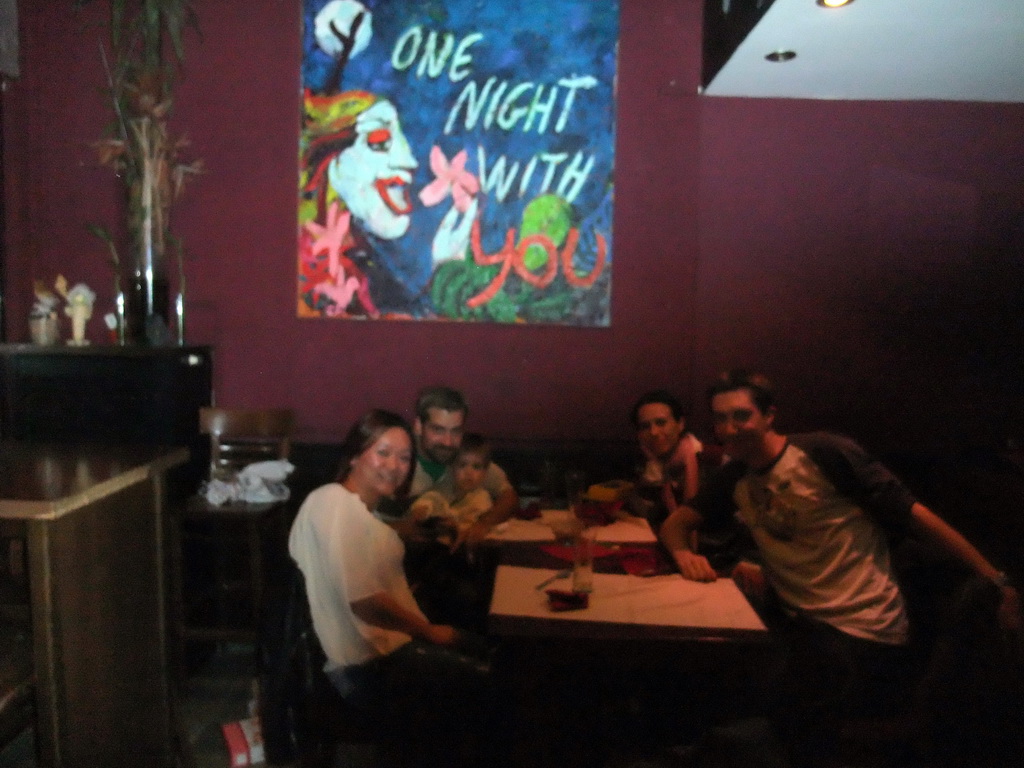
x=372 y=176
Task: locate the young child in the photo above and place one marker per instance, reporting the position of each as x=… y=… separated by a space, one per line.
x=459 y=499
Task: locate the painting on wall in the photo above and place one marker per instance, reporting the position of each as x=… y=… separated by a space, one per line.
x=456 y=160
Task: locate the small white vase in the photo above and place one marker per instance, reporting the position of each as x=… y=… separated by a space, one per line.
x=44 y=331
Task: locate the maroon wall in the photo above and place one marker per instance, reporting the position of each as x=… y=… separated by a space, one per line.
x=865 y=254
x=871 y=256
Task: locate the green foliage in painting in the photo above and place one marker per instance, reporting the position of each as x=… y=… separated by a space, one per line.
x=515 y=299
x=549 y=215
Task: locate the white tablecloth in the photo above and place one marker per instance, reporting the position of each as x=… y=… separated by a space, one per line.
x=662 y=601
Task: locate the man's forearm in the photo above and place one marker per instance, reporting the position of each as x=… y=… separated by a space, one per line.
x=942 y=534
x=939 y=532
x=676 y=531
x=677 y=534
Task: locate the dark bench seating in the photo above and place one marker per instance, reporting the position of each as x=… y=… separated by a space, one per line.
x=533 y=466
x=978 y=491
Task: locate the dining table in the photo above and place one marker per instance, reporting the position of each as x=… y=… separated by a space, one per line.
x=623 y=606
x=642 y=656
x=638 y=594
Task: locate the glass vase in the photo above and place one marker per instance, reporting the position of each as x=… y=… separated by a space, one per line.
x=147 y=309
x=148 y=206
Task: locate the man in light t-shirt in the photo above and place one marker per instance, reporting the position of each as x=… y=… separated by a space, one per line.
x=820 y=511
x=440 y=417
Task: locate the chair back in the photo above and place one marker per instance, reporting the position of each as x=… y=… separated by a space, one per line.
x=301 y=714
x=289 y=660
x=240 y=436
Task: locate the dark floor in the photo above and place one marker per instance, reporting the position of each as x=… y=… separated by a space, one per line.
x=221 y=688
x=218 y=692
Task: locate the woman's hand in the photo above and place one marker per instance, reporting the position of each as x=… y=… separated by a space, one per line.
x=693 y=566
x=382 y=610
x=452 y=237
x=1009 y=610
x=441 y=634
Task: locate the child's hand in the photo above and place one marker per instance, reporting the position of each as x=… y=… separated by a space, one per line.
x=420 y=510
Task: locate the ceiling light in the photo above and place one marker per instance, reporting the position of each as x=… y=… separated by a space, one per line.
x=779 y=56
x=833 y=3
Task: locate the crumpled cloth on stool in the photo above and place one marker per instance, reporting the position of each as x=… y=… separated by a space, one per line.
x=261 y=482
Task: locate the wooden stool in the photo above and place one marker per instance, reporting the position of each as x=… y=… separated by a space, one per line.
x=230 y=537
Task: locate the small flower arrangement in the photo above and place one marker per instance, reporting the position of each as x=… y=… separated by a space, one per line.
x=45 y=304
x=146 y=48
x=78 y=307
x=79 y=296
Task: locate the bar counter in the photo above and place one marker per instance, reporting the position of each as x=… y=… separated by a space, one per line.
x=92 y=518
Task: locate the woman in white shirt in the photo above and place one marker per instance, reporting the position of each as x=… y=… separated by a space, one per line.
x=383 y=654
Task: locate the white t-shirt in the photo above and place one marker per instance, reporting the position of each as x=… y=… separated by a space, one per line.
x=822 y=552
x=345 y=555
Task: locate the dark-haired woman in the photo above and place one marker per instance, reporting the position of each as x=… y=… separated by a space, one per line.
x=383 y=654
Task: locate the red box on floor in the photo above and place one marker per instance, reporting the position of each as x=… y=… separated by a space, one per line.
x=245 y=742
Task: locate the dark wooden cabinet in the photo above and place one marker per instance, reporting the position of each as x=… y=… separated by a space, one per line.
x=98 y=613
x=108 y=394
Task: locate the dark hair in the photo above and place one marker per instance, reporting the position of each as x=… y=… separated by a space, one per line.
x=364 y=433
x=662 y=396
x=757 y=384
x=445 y=398
x=474 y=442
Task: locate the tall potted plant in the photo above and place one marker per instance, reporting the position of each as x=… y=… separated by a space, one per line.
x=146 y=50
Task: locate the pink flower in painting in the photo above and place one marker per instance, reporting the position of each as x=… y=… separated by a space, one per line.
x=340 y=292
x=313 y=266
x=330 y=237
x=450 y=177
x=340 y=295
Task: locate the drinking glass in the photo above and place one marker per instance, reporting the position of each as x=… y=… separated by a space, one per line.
x=583 y=560
x=575 y=489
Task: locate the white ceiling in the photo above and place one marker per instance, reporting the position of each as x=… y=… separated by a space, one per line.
x=953 y=50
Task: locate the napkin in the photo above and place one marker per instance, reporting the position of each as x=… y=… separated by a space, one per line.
x=564 y=600
x=598 y=512
x=261 y=482
x=276 y=471
x=638 y=561
x=565 y=552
